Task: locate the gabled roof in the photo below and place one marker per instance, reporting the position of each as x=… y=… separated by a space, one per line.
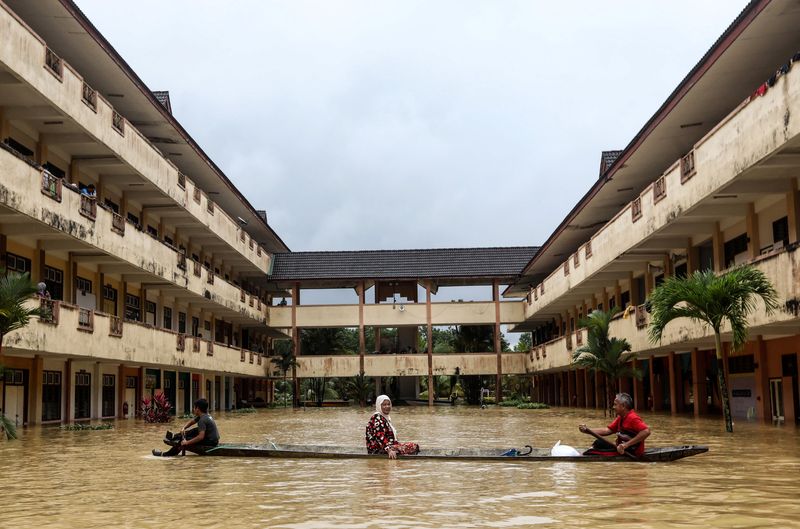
x=465 y=265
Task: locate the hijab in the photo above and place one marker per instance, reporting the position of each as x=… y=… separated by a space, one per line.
x=378 y=411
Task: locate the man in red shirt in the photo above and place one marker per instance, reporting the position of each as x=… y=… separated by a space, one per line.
x=630 y=429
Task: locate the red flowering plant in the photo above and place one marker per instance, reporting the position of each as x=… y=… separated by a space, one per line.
x=156 y=408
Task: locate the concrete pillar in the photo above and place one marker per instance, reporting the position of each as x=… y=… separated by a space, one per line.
x=429 y=327
x=692 y=258
x=673 y=387
x=69 y=389
x=362 y=340
x=598 y=391
x=35 y=390
x=751 y=221
x=201 y=390
x=605 y=300
x=656 y=389
x=699 y=389
x=295 y=339
x=763 y=410
x=718 y=245
x=97 y=391
x=634 y=291
x=121 y=391
x=588 y=394
x=793 y=212
x=580 y=386
x=497 y=348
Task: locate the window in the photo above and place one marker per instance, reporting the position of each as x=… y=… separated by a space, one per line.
x=150 y=312
x=195 y=326
x=132 y=307
x=167 y=318
x=130 y=382
x=82 y=285
x=780 y=231
x=109 y=397
x=17 y=146
x=54 y=279
x=51 y=395
x=54 y=170
x=182 y=322
x=741 y=364
x=169 y=240
x=83 y=395
x=152 y=231
x=16 y=263
x=734 y=247
x=113 y=206
x=110 y=300
x=133 y=219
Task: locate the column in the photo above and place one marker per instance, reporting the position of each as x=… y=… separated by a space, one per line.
x=581 y=388
x=634 y=290
x=751 y=221
x=201 y=390
x=296 y=340
x=793 y=214
x=429 y=323
x=763 y=409
x=617 y=295
x=719 y=248
x=497 y=348
x=35 y=391
x=97 y=391
x=638 y=388
x=69 y=384
x=588 y=396
x=699 y=382
x=362 y=341
x=692 y=258
x=598 y=391
x=121 y=390
x=570 y=388
x=673 y=386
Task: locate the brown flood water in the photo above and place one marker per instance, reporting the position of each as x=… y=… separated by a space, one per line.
x=54 y=478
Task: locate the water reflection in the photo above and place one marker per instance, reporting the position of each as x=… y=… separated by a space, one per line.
x=54 y=478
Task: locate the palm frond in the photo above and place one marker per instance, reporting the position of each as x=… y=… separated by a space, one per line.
x=7 y=427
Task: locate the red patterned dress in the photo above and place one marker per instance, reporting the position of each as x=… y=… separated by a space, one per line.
x=380 y=437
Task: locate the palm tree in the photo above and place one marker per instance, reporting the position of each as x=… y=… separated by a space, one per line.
x=359 y=387
x=284 y=360
x=710 y=299
x=605 y=354
x=15 y=290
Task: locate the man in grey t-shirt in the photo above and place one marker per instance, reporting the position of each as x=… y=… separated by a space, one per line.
x=205 y=436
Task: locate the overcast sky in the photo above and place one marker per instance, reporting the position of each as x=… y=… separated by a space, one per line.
x=413 y=124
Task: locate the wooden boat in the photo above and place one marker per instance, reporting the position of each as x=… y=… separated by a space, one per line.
x=652 y=455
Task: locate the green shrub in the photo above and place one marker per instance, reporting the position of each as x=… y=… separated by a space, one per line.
x=509 y=403
x=80 y=427
x=244 y=410
x=532 y=406
x=488 y=400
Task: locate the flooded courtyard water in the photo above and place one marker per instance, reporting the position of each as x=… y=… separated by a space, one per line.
x=55 y=478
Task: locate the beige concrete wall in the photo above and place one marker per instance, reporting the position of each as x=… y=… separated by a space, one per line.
x=23 y=53
x=139 y=345
x=385 y=315
x=20 y=190
x=746 y=136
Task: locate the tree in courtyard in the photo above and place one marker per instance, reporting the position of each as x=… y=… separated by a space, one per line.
x=15 y=291
x=284 y=359
x=525 y=343
x=713 y=300
x=603 y=353
x=359 y=387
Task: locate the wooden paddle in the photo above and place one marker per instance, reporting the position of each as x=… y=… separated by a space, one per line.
x=631 y=455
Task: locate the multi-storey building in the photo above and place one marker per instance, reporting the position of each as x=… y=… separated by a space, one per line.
x=162 y=275
x=155 y=264
x=709 y=182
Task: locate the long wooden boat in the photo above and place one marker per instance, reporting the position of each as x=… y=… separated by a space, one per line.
x=651 y=455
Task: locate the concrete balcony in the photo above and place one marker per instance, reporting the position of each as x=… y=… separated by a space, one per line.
x=409 y=365
x=59 y=86
x=682 y=335
x=746 y=157
x=460 y=313
x=89 y=335
x=43 y=208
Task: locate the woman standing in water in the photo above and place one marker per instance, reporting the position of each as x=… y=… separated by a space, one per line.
x=381 y=436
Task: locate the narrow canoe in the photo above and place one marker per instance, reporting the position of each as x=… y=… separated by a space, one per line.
x=664 y=454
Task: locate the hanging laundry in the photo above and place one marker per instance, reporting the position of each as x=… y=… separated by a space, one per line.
x=771 y=81
x=785 y=68
x=760 y=91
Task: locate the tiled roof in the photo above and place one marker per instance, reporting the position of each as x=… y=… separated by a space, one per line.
x=607 y=159
x=163 y=98
x=403 y=264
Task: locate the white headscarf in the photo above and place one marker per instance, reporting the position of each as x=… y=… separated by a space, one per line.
x=378 y=411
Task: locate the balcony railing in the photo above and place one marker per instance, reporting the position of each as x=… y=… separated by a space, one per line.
x=241 y=235
x=89 y=96
x=259 y=359
x=51 y=186
x=641 y=316
x=209 y=205
x=196 y=344
x=241 y=295
x=117 y=223
x=86 y=320
x=196 y=194
x=252 y=301
x=687 y=167
x=50 y=309
x=588 y=248
x=118 y=123
x=569 y=341
x=182 y=180
x=209 y=276
x=88 y=207
x=180 y=343
x=196 y=268
x=578 y=338
x=659 y=189
x=210 y=348
x=241 y=358
x=54 y=64
x=576 y=260
x=114 y=326
x=636 y=209
x=182 y=261
x=251 y=357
